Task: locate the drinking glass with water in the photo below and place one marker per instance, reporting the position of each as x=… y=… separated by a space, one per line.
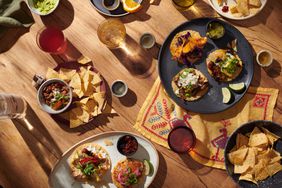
x=12 y=106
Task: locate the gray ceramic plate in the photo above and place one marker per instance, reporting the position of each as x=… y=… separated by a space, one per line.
x=271 y=182
x=97 y=4
x=211 y=102
x=61 y=177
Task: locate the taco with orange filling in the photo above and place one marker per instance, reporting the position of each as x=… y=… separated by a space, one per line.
x=187 y=46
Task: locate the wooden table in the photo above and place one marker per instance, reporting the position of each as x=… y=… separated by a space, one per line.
x=27 y=157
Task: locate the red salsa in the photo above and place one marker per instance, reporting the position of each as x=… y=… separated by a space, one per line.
x=56 y=95
x=127 y=145
x=225 y=8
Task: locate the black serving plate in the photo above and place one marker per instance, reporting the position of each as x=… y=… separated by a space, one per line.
x=97 y=4
x=211 y=102
x=271 y=182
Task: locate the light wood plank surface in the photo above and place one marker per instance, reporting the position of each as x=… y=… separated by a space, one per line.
x=27 y=157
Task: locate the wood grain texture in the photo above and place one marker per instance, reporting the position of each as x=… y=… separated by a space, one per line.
x=29 y=149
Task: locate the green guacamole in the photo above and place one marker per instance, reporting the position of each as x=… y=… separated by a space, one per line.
x=215 y=30
x=44 y=6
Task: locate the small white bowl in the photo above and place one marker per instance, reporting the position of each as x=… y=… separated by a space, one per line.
x=121 y=83
x=40 y=98
x=36 y=11
x=269 y=61
x=114 y=6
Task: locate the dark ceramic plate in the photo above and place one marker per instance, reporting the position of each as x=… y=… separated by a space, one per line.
x=211 y=102
x=271 y=182
x=114 y=13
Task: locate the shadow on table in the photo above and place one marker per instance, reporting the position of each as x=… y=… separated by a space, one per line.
x=62 y=17
x=38 y=139
x=129 y=99
x=135 y=59
x=161 y=173
x=10 y=37
x=70 y=55
x=274 y=70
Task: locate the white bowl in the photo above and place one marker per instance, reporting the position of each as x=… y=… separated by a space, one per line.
x=40 y=98
x=36 y=11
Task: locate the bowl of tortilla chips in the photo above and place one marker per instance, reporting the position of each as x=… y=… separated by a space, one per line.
x=253 y=155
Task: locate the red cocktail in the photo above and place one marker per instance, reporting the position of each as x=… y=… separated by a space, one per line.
x=51 y=40
x=181 y=139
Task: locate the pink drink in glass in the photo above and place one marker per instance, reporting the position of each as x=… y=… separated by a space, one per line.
x=181 y=139
x=51 y=40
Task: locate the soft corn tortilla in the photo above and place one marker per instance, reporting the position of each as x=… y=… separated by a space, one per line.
x=76 y=173
x=176 y=51
x=122 y=164
x=198 y=95
x=220 y=53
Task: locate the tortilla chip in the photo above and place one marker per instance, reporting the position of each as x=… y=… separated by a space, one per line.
x=51 y=74
x=256 y=3
x=233 y=9
x=271 y=137
x=69 y=73
x=84 y=60
x=74 y=120
x=248 y=177
x=75 y=82
x=90 y=106
x=274 y=168
x=259 y=170
x=96 y=79
x=243 y=7
x=81 y=114
x=84 y=100
x=254 y=10
x=241 y=140
x=238 y=156
x=257 y=138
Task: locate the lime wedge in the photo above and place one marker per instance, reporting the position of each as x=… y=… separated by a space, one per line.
x=149 y=169
x=226 y=95
x=237 y=87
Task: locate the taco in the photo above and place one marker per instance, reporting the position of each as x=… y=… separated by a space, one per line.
x=224 y=65
x=187 y=46
x=89 y=163
x=128 y=173
x=190 y=84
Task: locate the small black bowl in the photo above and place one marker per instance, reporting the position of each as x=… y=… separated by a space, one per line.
x=127 y=145
x=271 y=182
x=211 y=25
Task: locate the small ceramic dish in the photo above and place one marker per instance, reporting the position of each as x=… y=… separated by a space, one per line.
x=147 y=40
x=41 y=99
x=46 y=10
x=119 y=88
x=111 y=4
x=215 y=30
x=264 y=58
x=127 y=145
